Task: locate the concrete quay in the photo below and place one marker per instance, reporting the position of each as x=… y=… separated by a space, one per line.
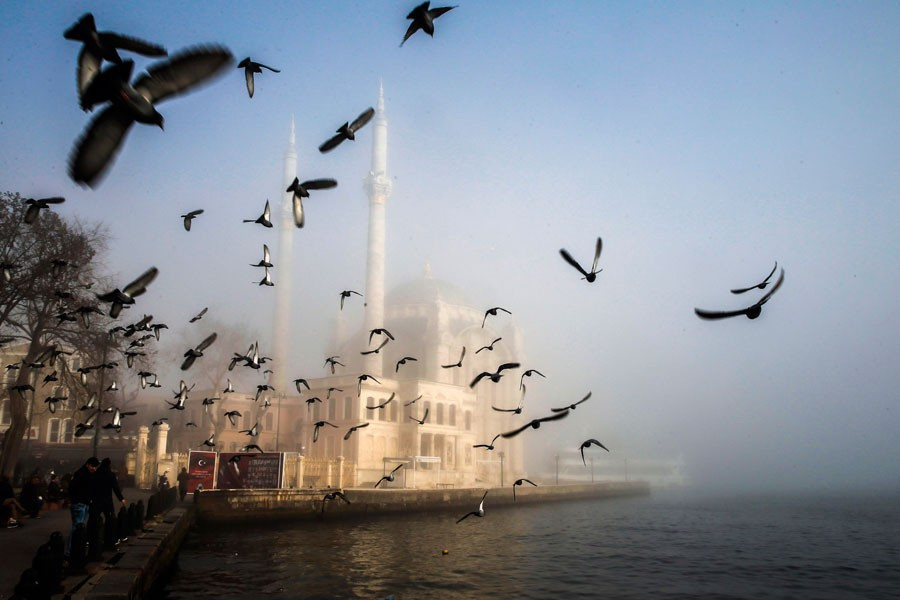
x=214 y=506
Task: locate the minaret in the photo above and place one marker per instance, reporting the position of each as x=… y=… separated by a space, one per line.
x=378 y=189
x=283 y=218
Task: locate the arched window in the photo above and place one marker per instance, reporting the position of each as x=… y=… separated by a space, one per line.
x=468 y=420
x=439 y=414
x=66 y=434
x=394 y=411
x=452 y=415
x=53 y=431
x=332 y=409
x=348 y=408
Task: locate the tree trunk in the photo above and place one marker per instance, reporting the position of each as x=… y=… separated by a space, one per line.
x=18 y=412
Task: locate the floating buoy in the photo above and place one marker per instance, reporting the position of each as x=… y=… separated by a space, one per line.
x=445 y=551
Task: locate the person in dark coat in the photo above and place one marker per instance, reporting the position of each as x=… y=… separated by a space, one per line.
x=105 y=483
x=183 y=478
x=80 y=496
x=10 y=508
x=54 y=492
x=32 y=496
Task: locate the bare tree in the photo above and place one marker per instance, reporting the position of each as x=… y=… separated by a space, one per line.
x=46 y=271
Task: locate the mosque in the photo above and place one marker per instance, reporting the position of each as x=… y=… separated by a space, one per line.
x=432 y=324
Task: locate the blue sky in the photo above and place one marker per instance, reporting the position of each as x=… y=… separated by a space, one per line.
x=701 y=140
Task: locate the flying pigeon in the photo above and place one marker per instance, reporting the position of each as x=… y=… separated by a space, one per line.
x=354 y=428
x=194 y=353
x=587 y=444
x=250 y=68
x=495 y=377
x=590 y=277
x=301 y=190
x=346 y=294
x=35 y=207
x=751 y=312
x=390 y=476
x=119 y=298
x=347 y=131
x=423 y=18
x=264 y=218
x=493 y=313
x=571 y=406
x=188 y=217
x=475 y=513
x=459 y=363
x=535 y=424
x=94 y=151
x=760 y=286
x=519 y=482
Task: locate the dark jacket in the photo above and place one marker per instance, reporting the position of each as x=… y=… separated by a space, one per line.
x=105 y=483
x=80 y=486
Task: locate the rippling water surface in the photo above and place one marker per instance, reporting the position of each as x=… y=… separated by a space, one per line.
x=666 y=545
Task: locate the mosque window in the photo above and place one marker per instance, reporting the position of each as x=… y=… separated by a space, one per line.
x=452 y=415
x=270 y=421
x=67 y=432
x=53 y=431
x=468 y=420
x=348 y=408
x=332 y=409
x=316 y=411
x=439 y=414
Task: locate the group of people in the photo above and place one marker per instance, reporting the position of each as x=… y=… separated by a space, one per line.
x=36 y=492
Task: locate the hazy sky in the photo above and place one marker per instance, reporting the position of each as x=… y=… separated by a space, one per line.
x=702 y=140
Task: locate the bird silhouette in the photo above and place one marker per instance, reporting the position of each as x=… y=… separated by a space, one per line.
x=383 y=404
x=489 y=347
x=571 y=406
x=475 y=513
x=379 y=331
x=347 y=131
x=252 y=432
x=751 y=312
x=488 y=446
x=311 y=401
x=301 y=191
x=267 y=279
x=194 y=353
x=365 y=377
x=189 y=217
x=458 y=363
x=332 y=361
x=590 y=277
x=403 y=361
x=199 y=315
x=250 y=68
x=250 y=447
x=529 y=373
x=300 y=381
x=492 y=312
x=319 y=424
x=119 y=298
x=35 y=207
x=95 y=149
x=232 y=416
x=264 y=219
x=413 y=401
x=354 y=428
x=376 y=350
x=587 y=444
x=495 y=377
x=266 y=259
x=98 y=46
x=333 y=496
x=422 y=420
x=330 y=390
x=535 y=424
x=389 y=477
x=210 y=441
x=423 y=18
x=519 y=482
x=759 y=286
x=346 y=294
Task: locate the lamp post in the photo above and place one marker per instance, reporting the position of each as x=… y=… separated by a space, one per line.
x=557 y=469
x=502 y=456
x=592 y=469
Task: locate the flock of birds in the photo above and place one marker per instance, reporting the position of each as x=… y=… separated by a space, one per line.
x=105 y=79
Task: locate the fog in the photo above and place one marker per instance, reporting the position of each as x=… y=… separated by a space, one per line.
x=701 y=141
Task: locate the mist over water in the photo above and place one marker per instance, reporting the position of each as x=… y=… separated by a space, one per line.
x=672 y=544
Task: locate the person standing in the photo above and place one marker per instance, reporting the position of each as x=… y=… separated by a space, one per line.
x=105 y=483
x=80 y=496
x=183 y=478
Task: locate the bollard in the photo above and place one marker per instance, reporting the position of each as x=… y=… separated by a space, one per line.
x=131 y=524
x=29 y=585
x=78 y=555
x=151 y=508
x=48 y=564
x=95 y=537
x=122 y=525
x=139 y=516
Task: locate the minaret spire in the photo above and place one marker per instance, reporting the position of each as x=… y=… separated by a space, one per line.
x=283 y=218
x=378 y=189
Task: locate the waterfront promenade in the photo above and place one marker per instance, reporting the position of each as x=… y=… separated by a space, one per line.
x=20 y=544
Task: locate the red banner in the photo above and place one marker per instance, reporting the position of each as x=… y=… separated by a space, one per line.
x=201 y=470
x=245 y=471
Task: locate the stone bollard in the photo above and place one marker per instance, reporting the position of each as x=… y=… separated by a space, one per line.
x=48 y=565
x=78 y=554
x=131 y=523
x=151 y=508
x=95 y=537
x=122 y=525
x=139 y=516
x=29 y=585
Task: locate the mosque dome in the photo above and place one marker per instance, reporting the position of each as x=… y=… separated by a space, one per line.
x=427 y=290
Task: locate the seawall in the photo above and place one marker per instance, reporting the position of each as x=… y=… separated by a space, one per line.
x=274 y=504
x=140 y=562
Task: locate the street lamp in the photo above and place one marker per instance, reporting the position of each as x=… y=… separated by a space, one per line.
x=557 y=469
x=502 y=456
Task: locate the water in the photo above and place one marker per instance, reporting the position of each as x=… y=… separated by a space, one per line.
x=667 y=545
